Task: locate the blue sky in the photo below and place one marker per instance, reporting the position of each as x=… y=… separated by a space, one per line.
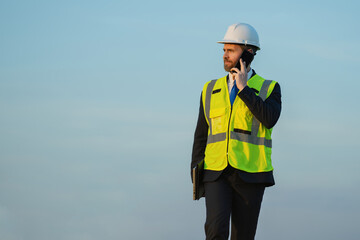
x=99 y=101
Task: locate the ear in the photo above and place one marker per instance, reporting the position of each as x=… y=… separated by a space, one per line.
x=251 y=50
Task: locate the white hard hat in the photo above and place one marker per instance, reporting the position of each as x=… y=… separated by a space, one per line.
x=241 y=33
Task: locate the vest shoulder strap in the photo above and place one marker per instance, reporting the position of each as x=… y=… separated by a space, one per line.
x=264 y=89
x=209 y=89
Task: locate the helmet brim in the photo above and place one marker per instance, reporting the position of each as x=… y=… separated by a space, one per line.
x=240 y=43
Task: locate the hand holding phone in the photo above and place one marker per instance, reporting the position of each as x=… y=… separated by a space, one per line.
x=247 y=57
x=239 y=75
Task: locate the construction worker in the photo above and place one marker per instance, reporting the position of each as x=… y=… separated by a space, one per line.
x=233 y=137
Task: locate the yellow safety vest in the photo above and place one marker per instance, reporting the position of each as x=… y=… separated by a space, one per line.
x=235 y=136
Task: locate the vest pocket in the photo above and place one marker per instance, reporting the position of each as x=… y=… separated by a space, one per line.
x=218 y=120
x=243 y=118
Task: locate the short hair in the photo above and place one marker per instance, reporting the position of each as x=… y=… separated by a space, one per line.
x=247 y=47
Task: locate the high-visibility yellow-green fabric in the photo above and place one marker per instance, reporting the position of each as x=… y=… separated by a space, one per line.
x=235 y=136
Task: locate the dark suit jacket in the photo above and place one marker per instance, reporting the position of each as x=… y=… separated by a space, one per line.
x=267 y=112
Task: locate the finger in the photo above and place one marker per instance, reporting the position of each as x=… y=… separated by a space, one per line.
x=242 y=63
x=234 y=70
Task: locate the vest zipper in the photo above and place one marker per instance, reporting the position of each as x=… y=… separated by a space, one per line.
x=228 y=130
x=228 y=138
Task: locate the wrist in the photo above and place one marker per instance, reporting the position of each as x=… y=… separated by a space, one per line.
x=241 y=85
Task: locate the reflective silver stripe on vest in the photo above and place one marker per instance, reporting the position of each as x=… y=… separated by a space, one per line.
x=262 y=94
x=209 y=90
x=253 y=138
x=217 y=137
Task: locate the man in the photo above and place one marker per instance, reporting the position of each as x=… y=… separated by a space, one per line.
x=233 y=137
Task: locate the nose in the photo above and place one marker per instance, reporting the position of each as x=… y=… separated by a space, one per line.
x=225 y=56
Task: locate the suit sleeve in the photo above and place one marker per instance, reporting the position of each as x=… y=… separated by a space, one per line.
x=200 y=137
x=268 y=111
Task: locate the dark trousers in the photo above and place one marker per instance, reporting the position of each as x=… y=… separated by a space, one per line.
x=231 y=198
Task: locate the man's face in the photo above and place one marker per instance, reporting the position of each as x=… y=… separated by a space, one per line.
x=232 y=53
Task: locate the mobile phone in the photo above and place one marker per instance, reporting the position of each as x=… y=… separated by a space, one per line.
x=247 y=57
